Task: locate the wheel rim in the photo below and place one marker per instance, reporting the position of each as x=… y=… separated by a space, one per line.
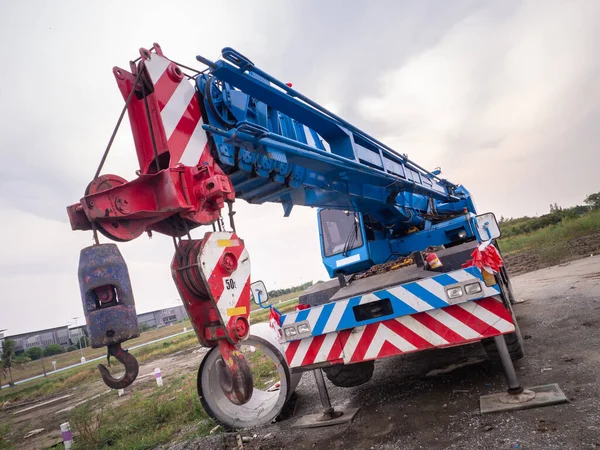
x=263 y=406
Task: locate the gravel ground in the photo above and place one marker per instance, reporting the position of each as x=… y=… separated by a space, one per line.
x=401 y=408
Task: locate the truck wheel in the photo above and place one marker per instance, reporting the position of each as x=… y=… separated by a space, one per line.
x=507 y=285
x=513 y=342
x=351 y=375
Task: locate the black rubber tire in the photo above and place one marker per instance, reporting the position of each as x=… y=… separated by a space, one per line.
x=507 y=285
x=351 y=375
x=513 y=342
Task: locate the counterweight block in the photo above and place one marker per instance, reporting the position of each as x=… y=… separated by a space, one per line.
x=107 y=296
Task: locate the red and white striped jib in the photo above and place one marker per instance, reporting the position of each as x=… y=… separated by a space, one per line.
x=179 y=111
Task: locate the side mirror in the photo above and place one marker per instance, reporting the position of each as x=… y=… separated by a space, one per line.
x=487 y=227
x=259 y=294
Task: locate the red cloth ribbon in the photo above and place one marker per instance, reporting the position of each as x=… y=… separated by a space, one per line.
x=488 y=257
x=274 y=316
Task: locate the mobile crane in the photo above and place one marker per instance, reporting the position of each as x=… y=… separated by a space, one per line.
x=205 y=138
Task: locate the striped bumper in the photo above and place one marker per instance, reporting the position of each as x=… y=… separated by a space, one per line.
x=446 y=327
x=422 y=317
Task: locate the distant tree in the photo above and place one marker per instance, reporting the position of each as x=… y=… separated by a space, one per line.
x=7 y=360
x=34 y=353
x=593 y=200
x=554 y=208
x=53 y=349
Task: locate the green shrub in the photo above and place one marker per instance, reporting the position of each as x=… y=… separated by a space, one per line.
x=5 y=444
x=53 y=349
x=19 y=360
x=34 y=353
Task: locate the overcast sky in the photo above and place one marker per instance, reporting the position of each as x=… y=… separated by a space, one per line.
x=504 y=96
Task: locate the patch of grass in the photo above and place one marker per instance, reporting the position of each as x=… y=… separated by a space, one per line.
x=145 y=420
x=153 y=351
x=4 y=442
x=32 y=368
x=264 y=371
x=553 y=240
x=280 y=299
x=49 y=386
x=83 y=374
x=263 y=315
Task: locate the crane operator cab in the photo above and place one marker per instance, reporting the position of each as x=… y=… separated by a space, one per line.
x=350 y=242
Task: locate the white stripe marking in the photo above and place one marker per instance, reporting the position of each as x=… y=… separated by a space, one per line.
x=454 y=324
x=421 y=330
x=488 y=291
x=488 y=317
x=462 y=275
x=368 y=298
x=434 y=287
x=156 y=67
x=385 y=334
x=352 y=342
x=326 y=347
x=301 y=352
x=289 y=318
x=335 y=317
x=313 y=316
x=175 y=108
x=410 y=299
x=195 y=146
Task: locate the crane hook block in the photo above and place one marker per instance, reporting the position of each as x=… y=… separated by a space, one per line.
x=107 y=296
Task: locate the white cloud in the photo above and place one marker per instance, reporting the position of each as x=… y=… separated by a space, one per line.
x=490 y=100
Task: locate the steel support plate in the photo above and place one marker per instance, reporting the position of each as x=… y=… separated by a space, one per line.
x=545 y=395
x=312 y=420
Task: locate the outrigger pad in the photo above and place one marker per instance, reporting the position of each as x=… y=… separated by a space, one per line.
x=546 y=395
x=312 y=420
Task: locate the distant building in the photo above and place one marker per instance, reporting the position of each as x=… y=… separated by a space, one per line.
x=78 y=332
x=65 y=336
x=40 y=338
x=162 y=317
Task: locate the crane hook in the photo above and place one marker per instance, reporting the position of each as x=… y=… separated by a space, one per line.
x=128 y=360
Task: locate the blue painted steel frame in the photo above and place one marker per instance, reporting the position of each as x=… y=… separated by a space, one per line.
x=279 y=146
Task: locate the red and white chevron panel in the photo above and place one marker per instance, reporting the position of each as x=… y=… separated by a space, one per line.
x=230 y=290
x=179 y=111
x=445 y=327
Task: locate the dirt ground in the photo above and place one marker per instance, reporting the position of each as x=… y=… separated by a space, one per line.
x=402 y=408
x=46 y=414
x=531 y=260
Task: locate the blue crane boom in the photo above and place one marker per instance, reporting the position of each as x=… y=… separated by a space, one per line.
x=277 y=145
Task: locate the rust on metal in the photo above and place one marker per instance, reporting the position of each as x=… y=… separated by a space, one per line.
x=235 y=374
x=128 y=360
x=385 y=267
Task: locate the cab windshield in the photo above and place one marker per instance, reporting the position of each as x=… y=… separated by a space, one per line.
x=340 y=230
